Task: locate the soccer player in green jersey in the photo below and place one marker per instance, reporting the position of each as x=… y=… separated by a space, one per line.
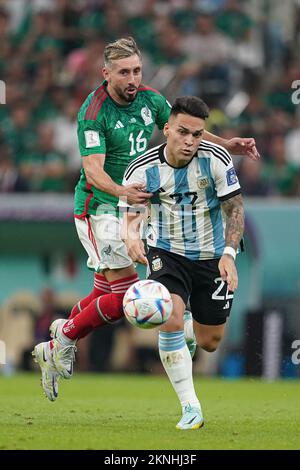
x=115 y=124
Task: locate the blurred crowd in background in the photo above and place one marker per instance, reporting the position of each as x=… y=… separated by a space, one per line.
x=240 y=56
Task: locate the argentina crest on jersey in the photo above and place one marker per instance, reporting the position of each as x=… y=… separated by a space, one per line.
x=156 y=264
x=202 y=182
x=146 y=115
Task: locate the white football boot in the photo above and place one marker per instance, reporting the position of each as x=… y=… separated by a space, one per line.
x=49 y=381
x=64 y=349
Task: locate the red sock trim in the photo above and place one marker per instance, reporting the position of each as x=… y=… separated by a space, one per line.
x=101 y=287
x=132 y=279
x=121 y=285
x=101 y=284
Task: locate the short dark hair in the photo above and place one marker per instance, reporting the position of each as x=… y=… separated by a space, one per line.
x=190 y=105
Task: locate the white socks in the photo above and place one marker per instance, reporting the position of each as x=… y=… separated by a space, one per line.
x=176 y=359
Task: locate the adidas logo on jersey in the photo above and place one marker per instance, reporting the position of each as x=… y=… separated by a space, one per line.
x=119 y=125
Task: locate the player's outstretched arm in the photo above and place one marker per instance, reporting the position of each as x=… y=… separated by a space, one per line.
x=234 y=211
x=236 y=146
x=96 y=176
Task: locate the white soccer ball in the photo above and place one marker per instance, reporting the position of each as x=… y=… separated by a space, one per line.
x=147 y=304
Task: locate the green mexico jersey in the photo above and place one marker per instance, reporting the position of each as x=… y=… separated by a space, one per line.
x=122 y=133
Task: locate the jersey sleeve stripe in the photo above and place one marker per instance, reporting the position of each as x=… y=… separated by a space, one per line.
x=92 y=103
x=230 y=195
x=208 y=143
x=148 y=88
x=94 y=117
x=216 y=150
x=141 y=163
x=221 y=156
x=215 y=155
x=92 y=107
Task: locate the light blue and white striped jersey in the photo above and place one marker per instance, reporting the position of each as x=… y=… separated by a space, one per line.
x=186 y=216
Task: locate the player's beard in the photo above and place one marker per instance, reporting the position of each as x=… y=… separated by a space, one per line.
x=124 y=96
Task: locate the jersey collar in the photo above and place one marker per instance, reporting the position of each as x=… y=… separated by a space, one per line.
x=162 y=156
x=123 y=106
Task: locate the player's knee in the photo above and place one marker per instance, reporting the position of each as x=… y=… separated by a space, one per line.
x=210 y=344
x=209 y=347
x=175 y=323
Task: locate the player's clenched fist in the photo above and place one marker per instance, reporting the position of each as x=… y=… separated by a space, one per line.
x=135 y=194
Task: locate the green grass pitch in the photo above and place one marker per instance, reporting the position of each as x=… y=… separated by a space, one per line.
x=140 y=412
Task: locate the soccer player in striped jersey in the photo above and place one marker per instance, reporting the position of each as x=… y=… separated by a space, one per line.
x=115 y=124
x=195 y=227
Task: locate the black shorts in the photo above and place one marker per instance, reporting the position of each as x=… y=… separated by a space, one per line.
x=196 y=281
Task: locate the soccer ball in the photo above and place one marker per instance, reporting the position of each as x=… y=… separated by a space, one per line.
x=147 y=304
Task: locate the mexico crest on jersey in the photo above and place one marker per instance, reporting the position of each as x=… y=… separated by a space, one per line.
x=202 y=182
x=146 y=115
x=156 y=264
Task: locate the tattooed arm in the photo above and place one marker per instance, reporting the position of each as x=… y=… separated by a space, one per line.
x=234 y=211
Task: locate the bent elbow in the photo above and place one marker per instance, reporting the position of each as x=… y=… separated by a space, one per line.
x=89 y=177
